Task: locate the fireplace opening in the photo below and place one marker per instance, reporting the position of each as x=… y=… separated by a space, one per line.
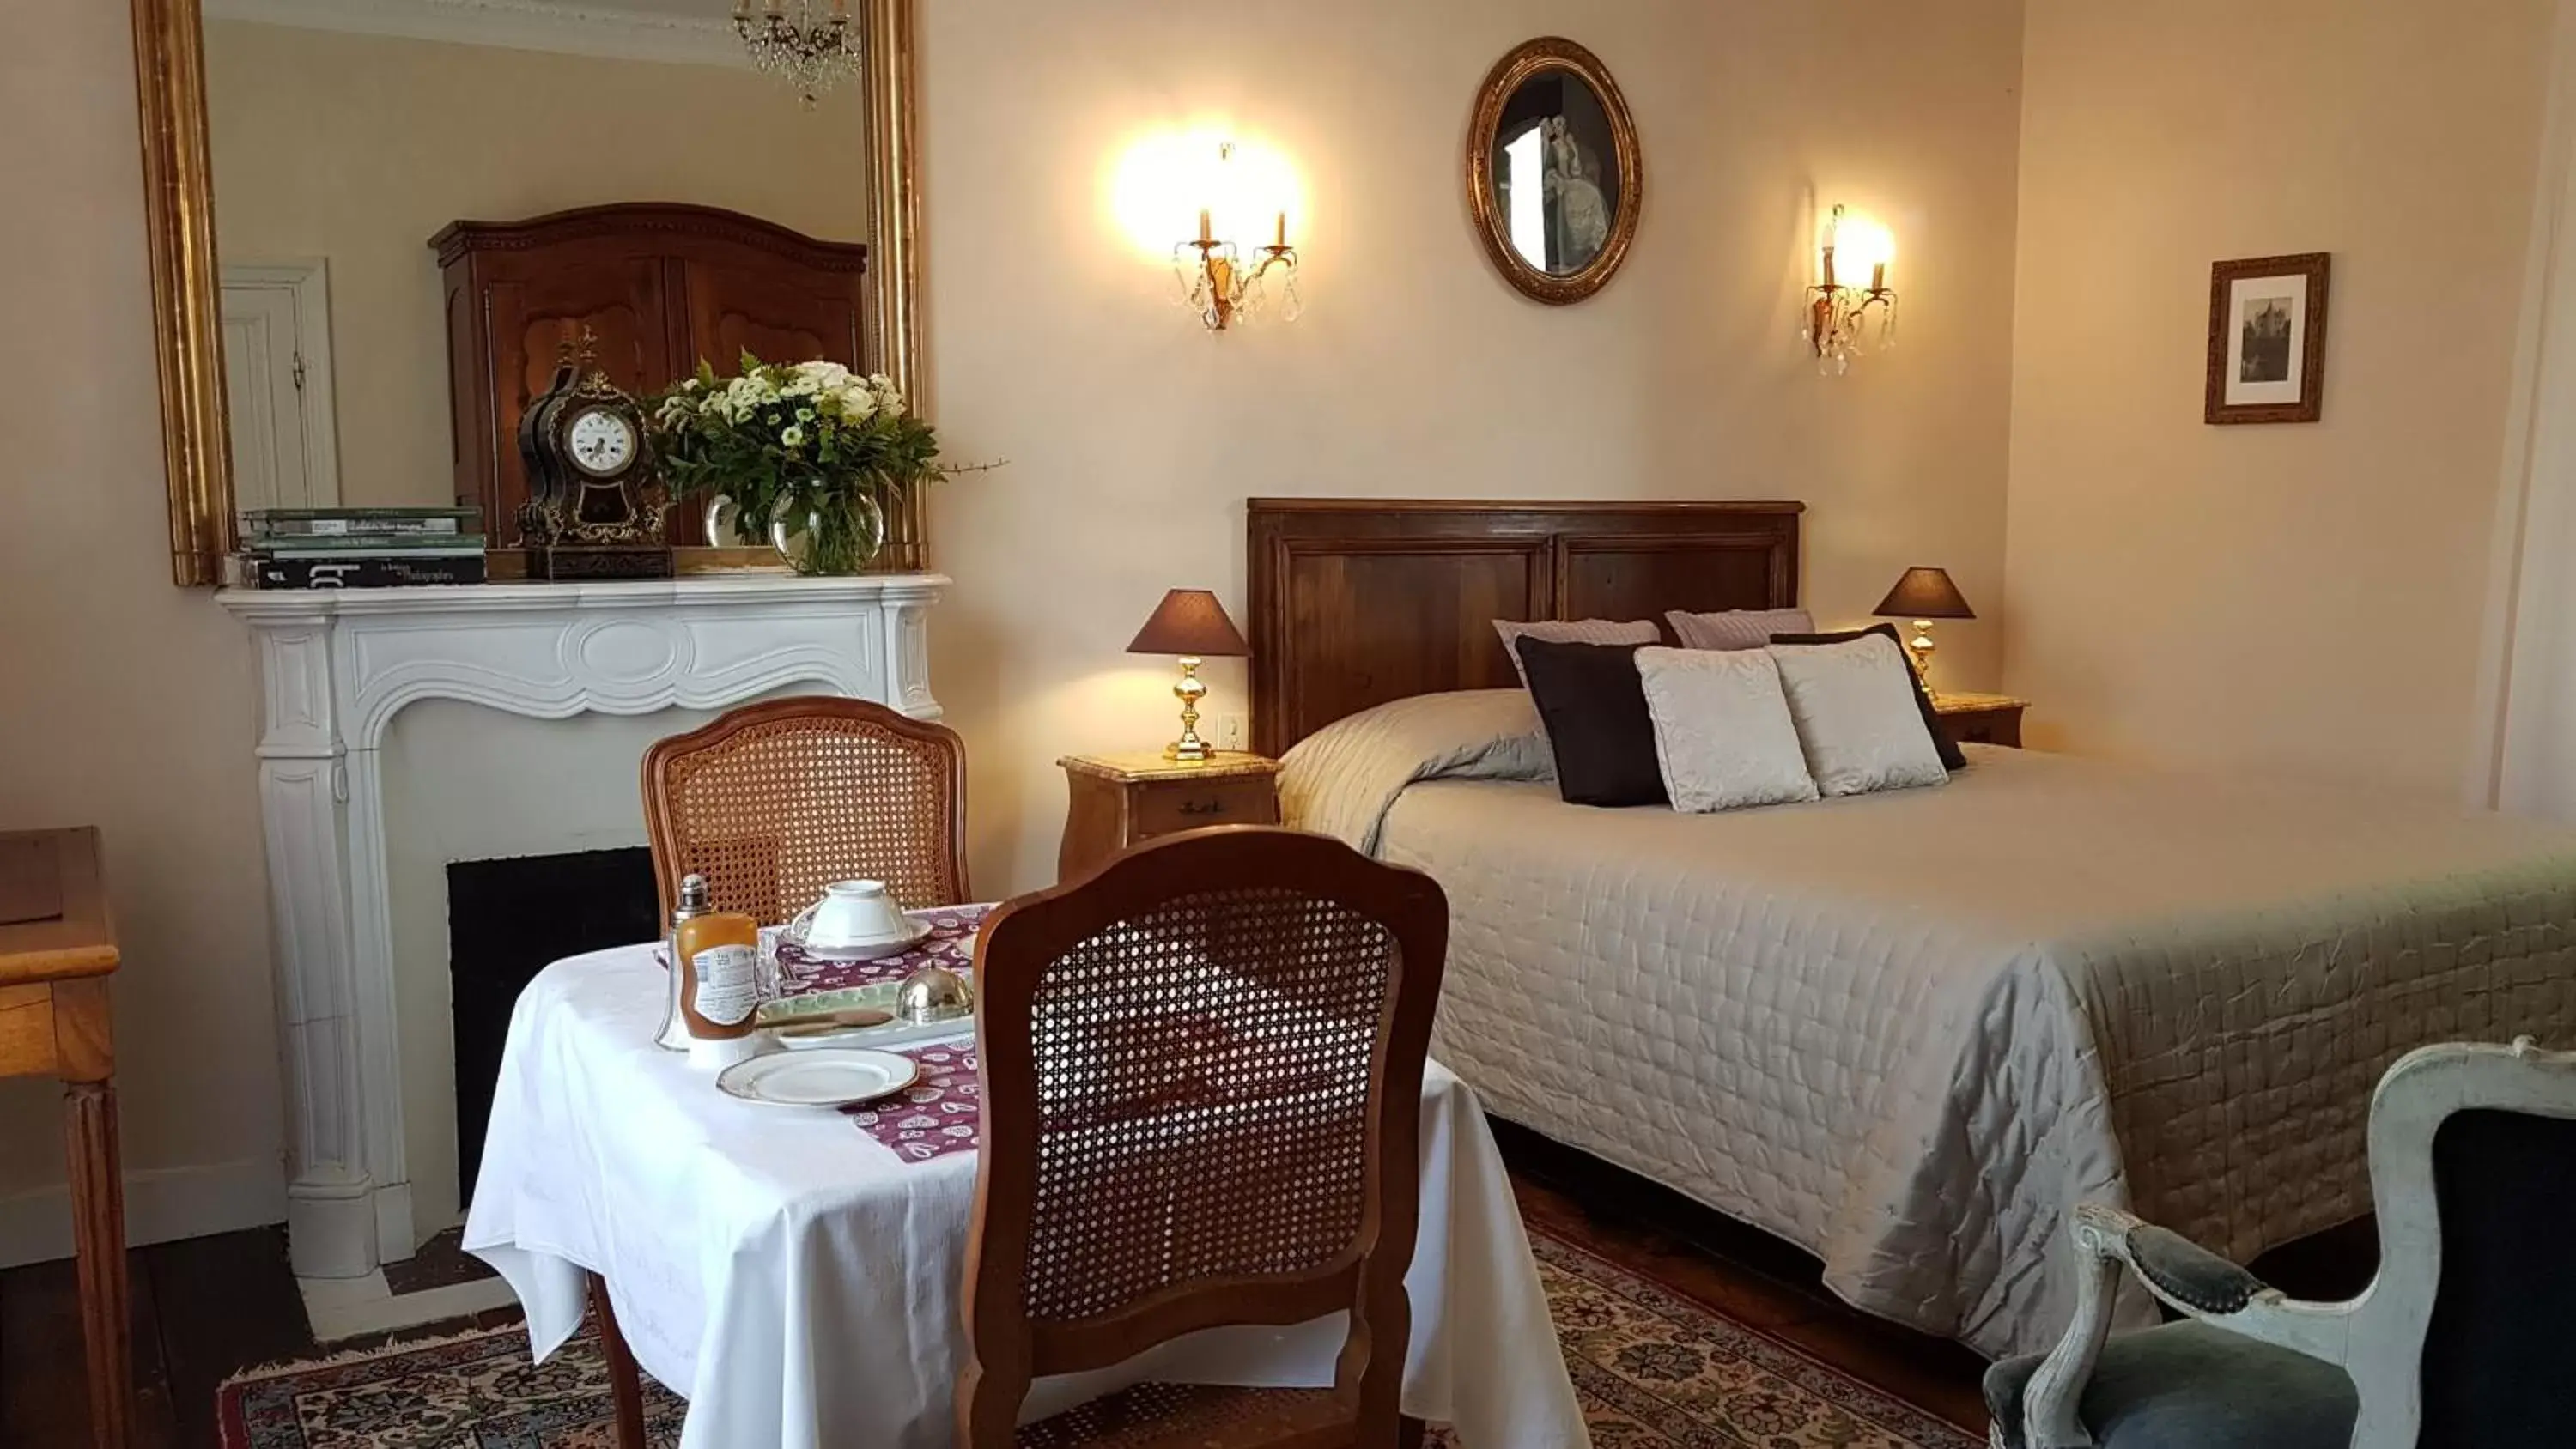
x=507 y=920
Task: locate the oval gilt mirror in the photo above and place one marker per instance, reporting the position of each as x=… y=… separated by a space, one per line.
x=1553 y=171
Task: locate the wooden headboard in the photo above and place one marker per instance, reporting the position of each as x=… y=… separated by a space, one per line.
x=1359 y=601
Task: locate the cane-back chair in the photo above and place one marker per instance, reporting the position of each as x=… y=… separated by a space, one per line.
x=1202 y=1078
x=775 y=801
x=2462 y=1341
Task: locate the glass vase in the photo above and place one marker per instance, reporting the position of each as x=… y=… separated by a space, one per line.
x=839 y=536
x=724 y=525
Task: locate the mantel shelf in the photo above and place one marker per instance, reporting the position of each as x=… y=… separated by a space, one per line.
x=256 y=605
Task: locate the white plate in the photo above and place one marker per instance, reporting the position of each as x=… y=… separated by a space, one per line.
x=914 y=933
x=820 y=1077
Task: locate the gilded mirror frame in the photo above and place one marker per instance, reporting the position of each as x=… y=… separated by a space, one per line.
x=1507 y=77
x=179 y=218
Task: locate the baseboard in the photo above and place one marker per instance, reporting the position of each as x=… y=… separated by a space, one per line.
x=162 y=1204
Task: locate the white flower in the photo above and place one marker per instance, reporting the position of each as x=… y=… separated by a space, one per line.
x=827 y=376
x=858 y=404
x=889 y=397
x=792 y=435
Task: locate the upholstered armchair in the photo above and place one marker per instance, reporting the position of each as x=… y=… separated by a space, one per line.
x=2463 y=1339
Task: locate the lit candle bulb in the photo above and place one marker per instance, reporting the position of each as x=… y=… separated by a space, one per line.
x=1283 y=231
x=1207 y=226
x=1878 y=277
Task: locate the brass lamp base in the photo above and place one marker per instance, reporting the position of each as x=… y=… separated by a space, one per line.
x=1189 y=748
x=1920 y=649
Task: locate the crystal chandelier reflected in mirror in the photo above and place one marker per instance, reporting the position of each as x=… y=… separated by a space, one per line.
x=802 y=42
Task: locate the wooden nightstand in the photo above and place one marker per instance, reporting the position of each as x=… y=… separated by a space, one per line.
x=1121 y=800
x=1982 y=719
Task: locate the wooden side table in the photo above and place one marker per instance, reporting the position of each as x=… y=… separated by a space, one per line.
x=1123 y=800
x=1982 y=719
x=57 y=949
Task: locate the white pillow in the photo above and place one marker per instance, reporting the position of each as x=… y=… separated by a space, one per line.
x=1857 y=719
x=1723 y=735
x=1738 y=628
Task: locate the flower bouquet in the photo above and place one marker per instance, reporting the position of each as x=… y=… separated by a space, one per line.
x=810 y=449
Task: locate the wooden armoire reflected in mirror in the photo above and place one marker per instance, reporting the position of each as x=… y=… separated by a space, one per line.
x=659 y=285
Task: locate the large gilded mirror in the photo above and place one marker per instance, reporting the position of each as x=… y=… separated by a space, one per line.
x=372 y=236
x=1554 y=174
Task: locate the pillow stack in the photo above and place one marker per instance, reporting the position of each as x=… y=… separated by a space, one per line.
x=1789 y=717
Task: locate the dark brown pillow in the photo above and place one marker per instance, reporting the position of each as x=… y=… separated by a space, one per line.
x=1951 y=755
x=1593 y=705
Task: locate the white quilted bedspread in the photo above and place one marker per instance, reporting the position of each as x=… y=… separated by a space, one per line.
x=1908 y=1030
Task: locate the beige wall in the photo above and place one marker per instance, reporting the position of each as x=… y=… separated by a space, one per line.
x=1133 y=436
x=359 y=148
x=2301 y=598
x=129 y=703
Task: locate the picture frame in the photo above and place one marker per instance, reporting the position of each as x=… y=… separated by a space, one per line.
x=1556 y=177
x=2267 y=339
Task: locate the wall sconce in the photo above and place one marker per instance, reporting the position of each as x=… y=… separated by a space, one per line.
x=1838 y=316
x=1220 y=287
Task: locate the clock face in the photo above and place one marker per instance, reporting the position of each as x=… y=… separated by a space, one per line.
x=601 y=443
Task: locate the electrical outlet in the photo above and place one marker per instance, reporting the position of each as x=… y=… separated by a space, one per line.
x=1229 y=732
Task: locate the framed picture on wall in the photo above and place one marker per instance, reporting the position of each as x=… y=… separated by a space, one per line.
x=2267 y=339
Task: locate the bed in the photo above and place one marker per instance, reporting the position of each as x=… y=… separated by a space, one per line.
x=1904 y=1031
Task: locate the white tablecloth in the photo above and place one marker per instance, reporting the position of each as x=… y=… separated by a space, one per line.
x=798 y=1282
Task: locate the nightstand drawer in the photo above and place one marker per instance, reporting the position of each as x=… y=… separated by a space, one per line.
x=1120 y=801
x=1166 y=808
x=1982 y=719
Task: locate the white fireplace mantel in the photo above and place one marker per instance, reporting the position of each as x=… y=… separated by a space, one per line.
x=336 y=667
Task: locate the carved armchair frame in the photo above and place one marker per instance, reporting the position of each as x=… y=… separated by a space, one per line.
x=2376 y=1338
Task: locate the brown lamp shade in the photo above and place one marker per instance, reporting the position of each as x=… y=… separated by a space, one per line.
x=1190 y=623
x=1925 y=594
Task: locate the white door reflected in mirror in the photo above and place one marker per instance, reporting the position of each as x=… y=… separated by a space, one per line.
x=277 y=385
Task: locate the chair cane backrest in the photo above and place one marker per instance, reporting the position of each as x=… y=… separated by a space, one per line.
x=1202 y=1082
x=773 y=802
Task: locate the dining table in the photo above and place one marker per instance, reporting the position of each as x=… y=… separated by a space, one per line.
x=796 y=1273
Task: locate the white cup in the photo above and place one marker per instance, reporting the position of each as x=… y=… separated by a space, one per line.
x=852 y=913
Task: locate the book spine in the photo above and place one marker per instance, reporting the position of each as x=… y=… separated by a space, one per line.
x=370 y=543
x=352 y=527
x=365 y=572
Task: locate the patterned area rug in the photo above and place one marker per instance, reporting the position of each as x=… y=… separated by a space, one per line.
x=1655 y=1371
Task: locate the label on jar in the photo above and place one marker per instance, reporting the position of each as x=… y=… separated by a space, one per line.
x=728 y=983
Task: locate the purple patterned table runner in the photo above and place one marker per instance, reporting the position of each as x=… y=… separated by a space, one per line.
x=943 y=1113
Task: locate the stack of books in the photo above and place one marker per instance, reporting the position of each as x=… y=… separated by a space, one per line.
x=360 y=548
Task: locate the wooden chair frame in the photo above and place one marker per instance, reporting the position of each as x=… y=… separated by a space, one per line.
x=2376 y=1338
x=1006 y=1350
x=663 y=828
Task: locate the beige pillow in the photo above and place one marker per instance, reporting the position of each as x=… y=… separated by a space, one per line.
x=1579 y=631
x=1857 y=719
x=1723 y=735
x=1738 y=628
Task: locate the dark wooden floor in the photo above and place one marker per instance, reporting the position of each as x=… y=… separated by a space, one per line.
x=208 y=1308
x=204 y=1310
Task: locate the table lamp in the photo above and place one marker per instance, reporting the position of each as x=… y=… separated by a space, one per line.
x=1921 y=596
x=1191 y=625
